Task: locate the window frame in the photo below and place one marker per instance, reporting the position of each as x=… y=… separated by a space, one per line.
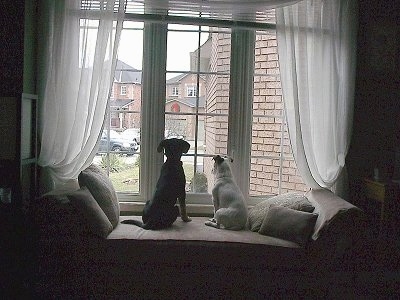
x=151 y=161
x=153 y=98
x=191 y=91
x=174 y=91
x=123 y=90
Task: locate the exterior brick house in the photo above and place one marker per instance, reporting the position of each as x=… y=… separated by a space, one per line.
x=126 y=95
x=181 y=92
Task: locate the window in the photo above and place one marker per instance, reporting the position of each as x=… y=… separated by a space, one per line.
x=232 y=106
x=174 y=91
x=191 y=91
x=123 y=90
x=112 y=94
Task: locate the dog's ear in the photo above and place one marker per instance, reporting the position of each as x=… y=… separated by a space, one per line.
x=228 y=158
x=185 y=146
x=218 y=159
x=161 y=146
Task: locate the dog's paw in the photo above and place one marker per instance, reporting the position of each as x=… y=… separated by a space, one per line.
x=211 y=224
x=186 y=219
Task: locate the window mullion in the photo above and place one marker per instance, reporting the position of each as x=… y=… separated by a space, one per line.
x=153 y=104
x=241 y=104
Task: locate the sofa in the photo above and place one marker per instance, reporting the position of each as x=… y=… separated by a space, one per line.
x=90 y=255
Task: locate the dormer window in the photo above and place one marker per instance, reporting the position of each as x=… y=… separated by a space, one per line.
x=191 y=91
x=123 y=90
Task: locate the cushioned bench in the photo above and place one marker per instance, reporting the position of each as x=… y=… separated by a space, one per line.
x=193 y=259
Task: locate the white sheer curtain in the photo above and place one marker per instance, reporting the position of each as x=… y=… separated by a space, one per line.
x=233 y=7
x=81 y=56
x=316 y=46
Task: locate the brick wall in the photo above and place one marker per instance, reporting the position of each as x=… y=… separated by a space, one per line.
x=217 y=98
x=270 y=174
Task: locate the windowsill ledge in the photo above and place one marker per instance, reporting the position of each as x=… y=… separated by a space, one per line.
x=136 y=208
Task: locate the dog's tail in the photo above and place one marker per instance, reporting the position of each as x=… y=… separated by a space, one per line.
x=134 y=222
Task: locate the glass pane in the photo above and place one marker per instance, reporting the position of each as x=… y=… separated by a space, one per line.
x=291 y=180
x=130 y=126
x=264 y=176
x=201 y=182
x=196 y=180
x=271 y=174
x=119 y=150
x=272 y=170
x=266 y=136
x=201 y=133
x=216 y=135
x=130 y=49
x=122 y=169
x=182 y=53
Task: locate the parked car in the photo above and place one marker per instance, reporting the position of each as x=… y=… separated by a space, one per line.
x=131 y=134
x=169 y=134
x=116 y=143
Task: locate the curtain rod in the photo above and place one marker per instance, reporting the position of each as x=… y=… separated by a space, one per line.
x=199 y=21
x=156 y=18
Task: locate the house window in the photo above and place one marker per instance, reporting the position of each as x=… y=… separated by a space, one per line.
x=191 y=91
x=233 y=106
x=123 y=90
x=174 y=91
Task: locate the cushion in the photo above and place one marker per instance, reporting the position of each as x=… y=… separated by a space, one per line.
x=92 y=213
x=293 y=200
x=288 y=224
x=100 y=186
x=54 y=215
x=335 y=214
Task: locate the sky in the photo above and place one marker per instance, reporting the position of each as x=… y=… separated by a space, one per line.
x=179 y=46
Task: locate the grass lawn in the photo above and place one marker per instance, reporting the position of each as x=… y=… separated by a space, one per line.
x=127 y=180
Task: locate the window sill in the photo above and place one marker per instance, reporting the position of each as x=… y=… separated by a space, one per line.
x=136 y=208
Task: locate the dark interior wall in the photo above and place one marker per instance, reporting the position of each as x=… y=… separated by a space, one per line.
x=18 y=37
x=377 y=101
x=12 y=47
x=30 y=46
x=17 y=76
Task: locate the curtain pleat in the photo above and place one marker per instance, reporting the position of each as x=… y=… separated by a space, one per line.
x=317 y=58
x=81 y=59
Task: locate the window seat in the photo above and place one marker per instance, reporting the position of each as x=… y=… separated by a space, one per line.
x=193 y=259
x=194 y=231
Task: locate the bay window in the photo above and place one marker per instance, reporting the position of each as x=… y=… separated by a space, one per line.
x=230 y=104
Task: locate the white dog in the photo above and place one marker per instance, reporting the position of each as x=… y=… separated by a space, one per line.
x=230 y=209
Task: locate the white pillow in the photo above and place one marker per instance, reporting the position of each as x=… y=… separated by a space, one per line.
x=293 y=200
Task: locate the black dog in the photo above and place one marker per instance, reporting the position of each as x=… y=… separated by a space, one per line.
x=161 y=211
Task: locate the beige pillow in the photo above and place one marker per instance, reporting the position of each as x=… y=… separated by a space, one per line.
x=96 y=220
x=293 y=200
x=288 y=224
x=102 y=190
